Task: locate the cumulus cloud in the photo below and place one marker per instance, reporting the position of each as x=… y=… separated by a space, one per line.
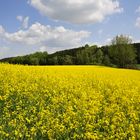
x=138 y=22
x=45 y=36
x=24 y=21
x=77 y=11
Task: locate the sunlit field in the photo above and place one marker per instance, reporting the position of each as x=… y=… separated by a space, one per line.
x=69 y=102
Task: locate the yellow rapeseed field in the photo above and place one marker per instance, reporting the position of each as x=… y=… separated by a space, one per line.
x=69 y=102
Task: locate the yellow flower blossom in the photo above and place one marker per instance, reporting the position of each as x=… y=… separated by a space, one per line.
x=69 y=102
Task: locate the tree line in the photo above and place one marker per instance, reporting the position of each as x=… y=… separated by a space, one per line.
x=120 y=53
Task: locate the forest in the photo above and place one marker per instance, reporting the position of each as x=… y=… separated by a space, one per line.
x=120 y=53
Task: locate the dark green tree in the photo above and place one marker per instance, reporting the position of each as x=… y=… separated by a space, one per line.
x=106 y=60
x=68 y=60
x=99 y=56
x=121 y=52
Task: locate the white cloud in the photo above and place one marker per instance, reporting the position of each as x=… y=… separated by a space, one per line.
x=138 y=10
x=136 y=41
x=138 y=22
x=1 y=30
x=3 y=51
x=24 y=21
x=43 y=48
x=100 y=31
x=20 y=18
x=108 y=41
x=41 y=35
x=77 y=11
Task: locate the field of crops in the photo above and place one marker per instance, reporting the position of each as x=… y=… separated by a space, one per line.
x=69 y=102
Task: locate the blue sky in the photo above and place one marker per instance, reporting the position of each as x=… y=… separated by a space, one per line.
x=27 y=26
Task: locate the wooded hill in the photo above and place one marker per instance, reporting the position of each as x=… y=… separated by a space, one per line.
x=126 y=56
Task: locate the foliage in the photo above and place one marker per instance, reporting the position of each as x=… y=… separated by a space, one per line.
x=122 y=52
x=84 y=102
x=122 y=55
x=99 y=56
x=119 y=54
x=121 y=40
x=106 y=60
x=137 y=47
